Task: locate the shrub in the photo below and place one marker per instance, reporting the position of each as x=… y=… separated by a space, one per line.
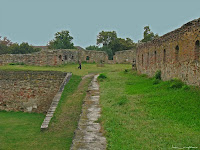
x=176 y=83
x=144 y=75
x=126 y=70
x=156 y=81
x=158 y=75
x=18 y=63
x=101 y=77
x=185 y=87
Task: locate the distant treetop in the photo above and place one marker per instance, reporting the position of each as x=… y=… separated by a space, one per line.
x=148 y=35
x=7 y=47
x=62 y=40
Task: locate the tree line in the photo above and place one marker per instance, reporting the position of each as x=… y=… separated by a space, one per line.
x=8 y=47
x=107 y=41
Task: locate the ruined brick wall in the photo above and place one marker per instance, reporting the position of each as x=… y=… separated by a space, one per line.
x=91 y=56
x=54 y=57
x=126 y=56
x=42 y=58
x=29 y=91
x=176 y=54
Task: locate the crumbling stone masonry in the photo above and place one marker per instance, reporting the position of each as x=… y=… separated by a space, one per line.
x=126 y=56
x=29 y=91
x=176 y=54
x=54 y=57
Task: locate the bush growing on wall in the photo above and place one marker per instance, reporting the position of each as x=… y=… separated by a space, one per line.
x=158 y=75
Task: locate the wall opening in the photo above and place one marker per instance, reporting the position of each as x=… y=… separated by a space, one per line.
x=72 y=57
x=87 y=58
x=65 y=57
x=142 y=59
x=196 y=51
x=164 y=55
x=177 y=53
x=148 y=58
x=60 y=57
x=155 y=57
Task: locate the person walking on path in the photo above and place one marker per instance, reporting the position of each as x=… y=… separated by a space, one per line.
x=79 y=62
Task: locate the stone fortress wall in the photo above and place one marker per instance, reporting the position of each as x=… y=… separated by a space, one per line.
x=29 y=91
x=126 y=56
x=55 y=57
x=176 y=54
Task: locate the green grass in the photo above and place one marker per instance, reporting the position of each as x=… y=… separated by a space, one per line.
x=20 y=130
x=138 y=114
x=86 y=68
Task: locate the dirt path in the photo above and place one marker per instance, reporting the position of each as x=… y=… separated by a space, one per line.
x=88 y=135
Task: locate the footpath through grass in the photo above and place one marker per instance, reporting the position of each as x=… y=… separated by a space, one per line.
x=137 y=114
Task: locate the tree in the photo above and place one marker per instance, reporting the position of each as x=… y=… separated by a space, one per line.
x=106 y=38
x=23 y=48
x=148 y=35
x=4 y=43
x=7 y=47
x=62 y=41
x=106 y=49
x=122 y=44
x=92 y=47
x=111 y=43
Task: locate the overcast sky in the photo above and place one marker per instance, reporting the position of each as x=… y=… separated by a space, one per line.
x=36 y=21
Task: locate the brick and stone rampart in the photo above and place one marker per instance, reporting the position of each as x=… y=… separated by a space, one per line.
x=91 y=56
x=176 y=54
x=54 y=57
x=29 y=91
x=126 y=56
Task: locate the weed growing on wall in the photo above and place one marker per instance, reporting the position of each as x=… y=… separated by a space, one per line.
x=158 y=75
x=18 y=63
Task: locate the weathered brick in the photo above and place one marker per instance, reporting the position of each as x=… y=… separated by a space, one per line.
x=29 y=90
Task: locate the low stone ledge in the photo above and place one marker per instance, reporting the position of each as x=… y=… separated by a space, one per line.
x=54 y=104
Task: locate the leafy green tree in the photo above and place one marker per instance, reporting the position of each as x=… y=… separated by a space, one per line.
x=106 y=37
x=23 y=48
x=62 y=41
x=92 y=47
x=111 y=43
x=4 y=43
x=122 y=44
x=108 y=50
x=148 y=35
x=7 y=47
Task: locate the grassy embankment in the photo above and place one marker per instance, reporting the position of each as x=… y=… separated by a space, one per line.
x=20 y=130
x=138 y=114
